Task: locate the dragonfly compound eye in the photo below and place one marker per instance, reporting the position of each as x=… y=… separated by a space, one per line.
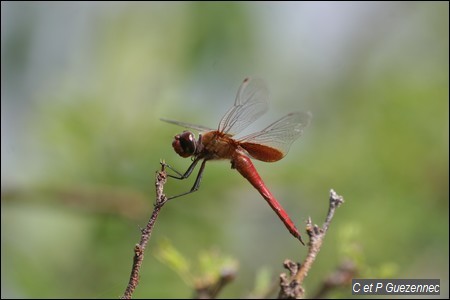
x=185 y=144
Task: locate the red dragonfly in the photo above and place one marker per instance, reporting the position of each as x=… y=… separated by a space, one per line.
x=270 y=144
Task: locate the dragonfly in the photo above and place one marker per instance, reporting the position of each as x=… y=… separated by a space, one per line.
x=268 y=145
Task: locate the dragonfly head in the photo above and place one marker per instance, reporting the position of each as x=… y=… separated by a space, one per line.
x=185 y=144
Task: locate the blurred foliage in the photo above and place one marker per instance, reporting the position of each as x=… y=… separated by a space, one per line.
x=210 y=268
x=264 y=284
x=84 y=86
x=174 y=259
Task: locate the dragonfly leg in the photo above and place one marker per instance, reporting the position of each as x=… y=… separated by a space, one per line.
x=186 y=174
x=196 y=185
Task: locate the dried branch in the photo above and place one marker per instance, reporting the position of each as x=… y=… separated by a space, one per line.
x=139 y=249
x=291 y=287
x=212 y=289
x=341 y=277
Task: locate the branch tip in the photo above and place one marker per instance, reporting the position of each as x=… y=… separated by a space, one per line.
x=335 y=199
x=146 y=232
x=291 y=288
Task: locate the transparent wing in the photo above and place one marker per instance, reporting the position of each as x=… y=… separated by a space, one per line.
x=251 y=103
x=277 y=137
x=199 y=128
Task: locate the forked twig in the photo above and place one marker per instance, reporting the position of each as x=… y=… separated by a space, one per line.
x=291 y=287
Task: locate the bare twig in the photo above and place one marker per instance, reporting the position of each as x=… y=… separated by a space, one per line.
x=291 y=287
x=211 y=290
x=146 y=233
x=341 y=277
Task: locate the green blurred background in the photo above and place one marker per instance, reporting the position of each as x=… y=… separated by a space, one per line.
x=83 y=86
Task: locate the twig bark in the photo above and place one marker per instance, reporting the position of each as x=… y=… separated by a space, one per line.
x=291 y=287
x=139 y=249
